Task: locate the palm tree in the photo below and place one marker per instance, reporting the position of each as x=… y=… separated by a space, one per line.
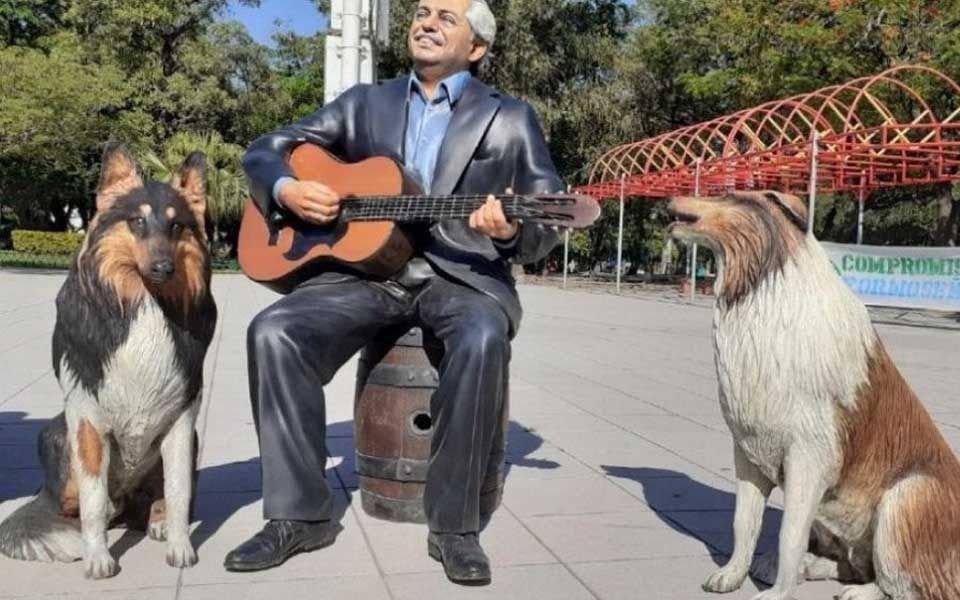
x=226 y=185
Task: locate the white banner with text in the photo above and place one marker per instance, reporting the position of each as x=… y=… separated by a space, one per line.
x=900 y=276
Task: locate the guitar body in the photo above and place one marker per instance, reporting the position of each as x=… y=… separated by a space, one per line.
x=376 y=194
x=282 y=255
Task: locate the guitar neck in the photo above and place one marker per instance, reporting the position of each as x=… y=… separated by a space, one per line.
x=412 y=209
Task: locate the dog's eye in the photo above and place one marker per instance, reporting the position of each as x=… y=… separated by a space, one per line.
x=138 y=222
x=176 y=228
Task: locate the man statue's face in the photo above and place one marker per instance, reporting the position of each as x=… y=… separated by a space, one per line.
x=441 y=37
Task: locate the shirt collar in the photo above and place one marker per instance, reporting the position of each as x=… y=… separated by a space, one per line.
x=450 y=89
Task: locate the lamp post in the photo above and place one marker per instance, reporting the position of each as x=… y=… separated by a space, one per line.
x=693 y=253
x=813 y=182
x=620 y=232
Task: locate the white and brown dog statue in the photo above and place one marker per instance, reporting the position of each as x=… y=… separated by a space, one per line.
x=817 y=407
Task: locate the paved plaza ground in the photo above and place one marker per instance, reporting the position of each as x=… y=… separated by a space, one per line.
x=620 y=482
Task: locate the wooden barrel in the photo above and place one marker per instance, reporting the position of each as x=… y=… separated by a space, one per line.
x=393 y=428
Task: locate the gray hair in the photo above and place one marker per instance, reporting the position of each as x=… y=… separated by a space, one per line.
x=482 y=21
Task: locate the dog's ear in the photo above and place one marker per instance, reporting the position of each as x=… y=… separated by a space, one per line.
x=792 y=206
x=191 y=181
x=789 y=205
x=119 y=175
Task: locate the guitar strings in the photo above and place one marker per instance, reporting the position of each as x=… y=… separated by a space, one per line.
x=421 y=208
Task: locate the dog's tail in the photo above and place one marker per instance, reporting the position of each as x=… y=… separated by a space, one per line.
x=37 y=531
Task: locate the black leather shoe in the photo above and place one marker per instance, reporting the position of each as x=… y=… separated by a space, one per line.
x=463 y=559
x=278 y=541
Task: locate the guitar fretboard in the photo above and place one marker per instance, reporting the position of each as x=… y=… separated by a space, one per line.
x=422 y=208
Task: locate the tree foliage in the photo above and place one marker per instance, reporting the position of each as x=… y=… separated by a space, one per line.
x=156 y=74
x=163 y=75
x=23 y=21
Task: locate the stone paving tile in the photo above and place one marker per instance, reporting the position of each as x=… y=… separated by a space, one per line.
x=614 y=536
x=674 y=491
x=528 y=498
x=631 y=454
x=154 y=593
x=350 y=554
x=509 y=583
x=619 y=485
x=402 y=547
x=675 y=578
x=544 y=462
x=357 y=587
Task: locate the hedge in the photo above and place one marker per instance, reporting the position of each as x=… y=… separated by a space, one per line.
x=46 y=242
x=22 y=260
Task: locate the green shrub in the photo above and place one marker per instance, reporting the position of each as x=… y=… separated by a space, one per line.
x=22 y=260
x=46 y=242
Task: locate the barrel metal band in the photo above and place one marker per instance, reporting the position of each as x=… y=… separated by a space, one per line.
x=397 y=469
x=403 y=376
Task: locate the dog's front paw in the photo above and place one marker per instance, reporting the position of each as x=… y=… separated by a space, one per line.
x=869 y=591
x=157 y=530
x=815 y=568
x=100 y=565
x=725 y=580
x=181 y=554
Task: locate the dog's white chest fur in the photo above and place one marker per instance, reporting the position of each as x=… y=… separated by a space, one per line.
x=143 y=389
x=786 y=360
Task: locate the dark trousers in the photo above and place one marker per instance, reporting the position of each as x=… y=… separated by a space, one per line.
x=295 y=346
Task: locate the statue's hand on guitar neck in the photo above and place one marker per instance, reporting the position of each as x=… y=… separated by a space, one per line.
x=310 y=201
x=490 y=220
x=314 y=202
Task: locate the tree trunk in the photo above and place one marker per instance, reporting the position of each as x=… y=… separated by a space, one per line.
x=948 y=217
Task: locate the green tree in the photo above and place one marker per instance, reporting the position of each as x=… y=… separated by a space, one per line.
x=299 y=61
x=23 y=21
x=691 y=60
x=226 y=183
x=138 y=72
x=164 y=50
x=56 y=110
x=294 y=88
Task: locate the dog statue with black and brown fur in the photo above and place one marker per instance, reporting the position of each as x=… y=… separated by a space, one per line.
x=816 y=406
x=134 y=319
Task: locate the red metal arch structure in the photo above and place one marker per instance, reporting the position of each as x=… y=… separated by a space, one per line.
x=899 y=127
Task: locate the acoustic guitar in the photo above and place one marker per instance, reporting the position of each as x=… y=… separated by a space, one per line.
x=377 y=196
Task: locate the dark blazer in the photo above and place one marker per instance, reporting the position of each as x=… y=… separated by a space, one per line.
x=493 y=142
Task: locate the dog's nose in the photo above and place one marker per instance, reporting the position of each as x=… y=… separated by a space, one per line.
x=162 y=268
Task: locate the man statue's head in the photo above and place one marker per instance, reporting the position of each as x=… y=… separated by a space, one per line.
x=447 y=36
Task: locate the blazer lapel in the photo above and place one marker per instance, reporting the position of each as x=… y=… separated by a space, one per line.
x=470 y=120
x=391 y=126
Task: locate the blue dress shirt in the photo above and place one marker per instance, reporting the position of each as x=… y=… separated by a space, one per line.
x=427 y=123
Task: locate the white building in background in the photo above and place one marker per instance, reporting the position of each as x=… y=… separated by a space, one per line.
x=357 y=28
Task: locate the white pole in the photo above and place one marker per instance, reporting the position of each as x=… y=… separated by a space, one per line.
x=693 y=257
x=566 y=247
x=863 y=189
x=350 y=51
x=620 y=233
x=813 y=182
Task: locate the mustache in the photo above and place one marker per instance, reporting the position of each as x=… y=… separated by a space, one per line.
x=435 y=38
